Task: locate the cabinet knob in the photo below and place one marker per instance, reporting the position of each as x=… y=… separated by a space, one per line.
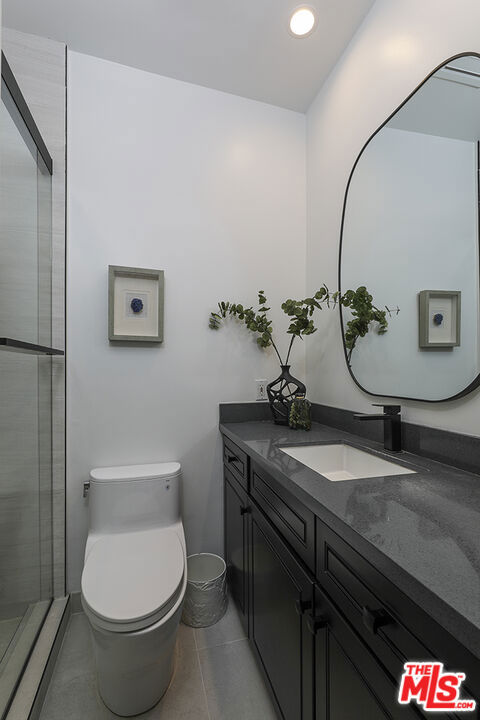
x=302 y=605
x=375 y=619
x=316 y=623
x=245 y=510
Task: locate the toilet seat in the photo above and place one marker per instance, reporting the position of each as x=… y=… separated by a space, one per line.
x=131 y=580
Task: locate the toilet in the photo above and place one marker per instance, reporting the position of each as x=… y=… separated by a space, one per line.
x=134 y=580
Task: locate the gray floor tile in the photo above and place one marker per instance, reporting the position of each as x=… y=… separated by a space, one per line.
x=227 y=629
x=74 y=699
x=76 y=654
x=185 y=638
x=78 y=699
x=73 y=694
x=235 y=689
x=77 y=638
x=223 y=674
x=185 y=698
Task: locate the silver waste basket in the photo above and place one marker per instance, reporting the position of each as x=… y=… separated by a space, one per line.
x=205 y=597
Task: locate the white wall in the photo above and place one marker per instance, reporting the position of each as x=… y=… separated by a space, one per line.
x=411 y=225
x=210 y=188
x=398 y=44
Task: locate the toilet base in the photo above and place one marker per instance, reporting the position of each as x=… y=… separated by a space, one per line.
x=135 y=669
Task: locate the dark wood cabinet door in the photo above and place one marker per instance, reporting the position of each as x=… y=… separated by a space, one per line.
x=349 y=681
x=236 y=544
x=281 y=595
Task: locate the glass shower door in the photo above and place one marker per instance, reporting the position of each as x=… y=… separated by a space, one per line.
x=25 y=393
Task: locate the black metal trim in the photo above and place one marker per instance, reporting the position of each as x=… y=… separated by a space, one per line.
x=476 y=382
x=65 y=522
x=26 y=347
x=27 y=117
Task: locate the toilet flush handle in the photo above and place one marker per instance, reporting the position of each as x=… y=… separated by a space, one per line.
x=86 y=488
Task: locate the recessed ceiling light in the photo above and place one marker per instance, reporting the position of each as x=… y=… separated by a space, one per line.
x=302 y=21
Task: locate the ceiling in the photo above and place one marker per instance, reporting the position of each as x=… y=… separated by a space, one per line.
x=238 y=46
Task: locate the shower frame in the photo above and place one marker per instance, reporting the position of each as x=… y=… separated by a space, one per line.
x=42 y=650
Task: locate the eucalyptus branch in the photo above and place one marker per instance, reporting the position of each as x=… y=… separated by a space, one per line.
x=289 y=349
x=276 y=350
x=364 y=314
x=256 y=322
x=359 y=301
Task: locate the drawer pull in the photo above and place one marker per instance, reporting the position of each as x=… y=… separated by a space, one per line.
x=245 y=510
x=302 y=605
x=316 y=623
x=231 y=458
x=375 y=619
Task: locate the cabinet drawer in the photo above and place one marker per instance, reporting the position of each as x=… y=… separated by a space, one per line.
x=293 y=520
x=383 y=616
x=236 y=461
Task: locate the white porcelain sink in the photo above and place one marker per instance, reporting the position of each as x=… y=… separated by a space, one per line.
x=344 y=462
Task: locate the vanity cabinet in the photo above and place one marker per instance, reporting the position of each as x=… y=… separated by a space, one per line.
x=331 y=632
x=281 y=594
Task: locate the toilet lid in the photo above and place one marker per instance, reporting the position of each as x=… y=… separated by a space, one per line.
x=129 y=578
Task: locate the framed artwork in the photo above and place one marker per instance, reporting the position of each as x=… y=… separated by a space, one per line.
x=135 y=304
x=439 y=318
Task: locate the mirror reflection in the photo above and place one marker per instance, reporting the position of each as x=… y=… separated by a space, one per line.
x=410 y=234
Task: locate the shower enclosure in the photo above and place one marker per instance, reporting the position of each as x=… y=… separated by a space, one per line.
x=25 y=385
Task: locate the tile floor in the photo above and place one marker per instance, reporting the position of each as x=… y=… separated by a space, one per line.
x=216 y=677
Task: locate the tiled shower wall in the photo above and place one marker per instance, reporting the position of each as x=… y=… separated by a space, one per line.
x=39 y=66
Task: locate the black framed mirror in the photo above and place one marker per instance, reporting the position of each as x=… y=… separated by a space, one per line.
x=410 y=234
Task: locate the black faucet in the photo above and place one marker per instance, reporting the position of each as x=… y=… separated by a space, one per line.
x=392 y=425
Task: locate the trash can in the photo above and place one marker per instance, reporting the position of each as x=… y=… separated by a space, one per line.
x=205 y=597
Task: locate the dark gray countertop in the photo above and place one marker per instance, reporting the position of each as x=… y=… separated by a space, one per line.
x=421 y=530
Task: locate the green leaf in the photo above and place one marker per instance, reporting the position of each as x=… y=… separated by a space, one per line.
x=364 y=315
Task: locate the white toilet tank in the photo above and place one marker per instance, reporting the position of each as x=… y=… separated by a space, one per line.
x=134 y=497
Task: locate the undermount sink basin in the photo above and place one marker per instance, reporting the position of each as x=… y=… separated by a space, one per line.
x=344 y=462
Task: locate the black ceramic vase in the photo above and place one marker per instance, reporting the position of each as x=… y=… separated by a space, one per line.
x=281 y=392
